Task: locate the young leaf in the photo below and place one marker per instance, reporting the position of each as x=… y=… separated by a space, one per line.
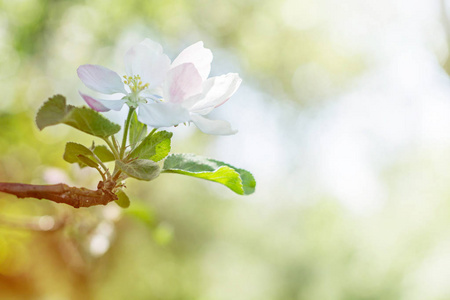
x=55 y=111
x=73 y=150
x=142 y=169
x=238 y=180
x=154 y=147
x=103 y=153
x=86 y=160
x=137 y=131
x=123 y=200
x=51 y=111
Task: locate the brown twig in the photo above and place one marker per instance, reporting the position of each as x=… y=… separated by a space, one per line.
x=62 y=193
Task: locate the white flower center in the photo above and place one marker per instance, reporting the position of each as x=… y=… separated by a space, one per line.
x=136 y=86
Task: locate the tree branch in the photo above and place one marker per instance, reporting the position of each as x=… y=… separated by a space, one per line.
x=62 y=193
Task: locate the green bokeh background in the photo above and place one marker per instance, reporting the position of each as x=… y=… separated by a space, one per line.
x=295 y=238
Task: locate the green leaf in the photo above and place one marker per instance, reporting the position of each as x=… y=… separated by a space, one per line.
x=103 y=153
x=55 y=111
x=87 y=161
x=154 y=147
x=137 y=131
x=142 y=169
x=123 y=200
x=51 y=111
x=73 y=150
x=238 y=180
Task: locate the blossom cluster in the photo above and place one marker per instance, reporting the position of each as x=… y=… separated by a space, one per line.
x=164 y=93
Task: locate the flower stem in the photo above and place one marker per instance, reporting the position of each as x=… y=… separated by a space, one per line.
x=125 y=132
x=111 y=146
x=102 y=165
x=115 y=143
x=101 y=173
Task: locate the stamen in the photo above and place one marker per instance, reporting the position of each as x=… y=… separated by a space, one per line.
x=135 y=83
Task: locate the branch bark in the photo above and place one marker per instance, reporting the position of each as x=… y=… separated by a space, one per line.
x=62 y=193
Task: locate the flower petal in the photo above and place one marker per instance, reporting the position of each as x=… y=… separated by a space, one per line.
x=217 y=127
x=102 y=105
x=153 y=94
x=148 y=61
x=181 y=83
x=101 y=79
x=216 y=91
x=162 y=114
x=200 y=56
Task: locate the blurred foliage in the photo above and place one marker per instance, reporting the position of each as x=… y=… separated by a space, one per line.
x=193 y=241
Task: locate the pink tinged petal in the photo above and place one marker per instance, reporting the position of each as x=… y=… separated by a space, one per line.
x=217 y=127
x=148 y=61
x=102 y=105
x=181 y=83
x=216 y=91
x=199 y=56
x=162 y=114
x=101 y=79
